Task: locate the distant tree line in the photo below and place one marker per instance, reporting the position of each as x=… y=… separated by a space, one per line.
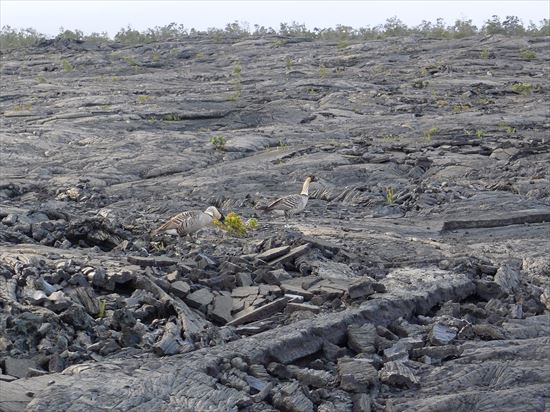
x=393 y=27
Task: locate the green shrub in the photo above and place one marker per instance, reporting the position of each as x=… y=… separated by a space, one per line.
x=218 y=141
x=429 y=134
x=522 y=88
x=67 y=66
x=527 y=54
x=233 y=224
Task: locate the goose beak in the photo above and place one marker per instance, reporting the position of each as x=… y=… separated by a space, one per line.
x=222 y=217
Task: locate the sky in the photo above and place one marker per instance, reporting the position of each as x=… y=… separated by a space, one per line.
x=48 y=16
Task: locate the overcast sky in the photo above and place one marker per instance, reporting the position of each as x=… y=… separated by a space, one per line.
x=97 y=16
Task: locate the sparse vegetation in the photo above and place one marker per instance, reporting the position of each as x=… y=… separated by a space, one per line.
x=527 y=54
x=218 y=141
x=289 y=63
x=389 y=196
x=484 y=54
x=322 y=71
x=142 y=99
x=459 y=108
x=480 y=134
x=236 y=80
x=102 y=308
x=233 y=224
x=509 y=129
x=171 y=117
x=429 y=134
x=23 y=107
x=522 y=88
x=420 y=84
x=67 y=66
x=511 y=26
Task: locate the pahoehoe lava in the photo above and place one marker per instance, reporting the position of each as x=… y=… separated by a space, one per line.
x=416 y=278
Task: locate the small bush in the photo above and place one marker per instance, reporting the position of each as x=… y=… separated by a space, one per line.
x=522 y=88
x=389 y=196
x=527 y=54
x=459 y=108
x=67 y=66
x=429 y=134
x=102 y=307
x=322 y=71
x=233 y=224
x=142 y=99
x=218 y=141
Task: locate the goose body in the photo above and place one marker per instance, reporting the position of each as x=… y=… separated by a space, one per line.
x=291 y=204
x=189 y=222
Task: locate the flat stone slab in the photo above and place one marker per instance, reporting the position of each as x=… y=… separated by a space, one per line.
x=290 y=256
x=158 y=261
x=261 y=312
x=512 y=218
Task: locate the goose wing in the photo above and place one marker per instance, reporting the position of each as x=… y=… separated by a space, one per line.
x=290 y=202
x=176 y=221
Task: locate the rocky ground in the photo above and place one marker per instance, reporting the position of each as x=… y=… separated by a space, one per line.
x=417 y=279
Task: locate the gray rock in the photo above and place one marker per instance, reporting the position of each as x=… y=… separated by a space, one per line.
x=442 y=334
x=221 y=310
x=293 y=307
x=274 y=253
x=311 y=377
x=244 y=279
x=200 y=299
x=363 y=339
x=488 y=290
x=396 y=373
x=290 y=397
x=19 y=367
x=508 y=277
x=357 y=375
x=180 y=288
x=360 y=289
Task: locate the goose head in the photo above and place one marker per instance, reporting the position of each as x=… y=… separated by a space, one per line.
x=215 y=213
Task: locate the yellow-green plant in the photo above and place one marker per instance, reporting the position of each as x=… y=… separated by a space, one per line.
x=289 y=63
x=102 y=307
x=236 y=81
x=527 y=54
x=322 y=71
x=142 y=99
x=23 y=107
x=67 y=66
x=170 y=117
x=480 y=134
x=484 y=54
x=522 y=88
x=218 y=141
x=459 y=108
x=429 y=134
x=389 y=196
x=233 y=224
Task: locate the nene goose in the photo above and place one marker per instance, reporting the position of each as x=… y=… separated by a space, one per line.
x=187 y=223
x=291 y=204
